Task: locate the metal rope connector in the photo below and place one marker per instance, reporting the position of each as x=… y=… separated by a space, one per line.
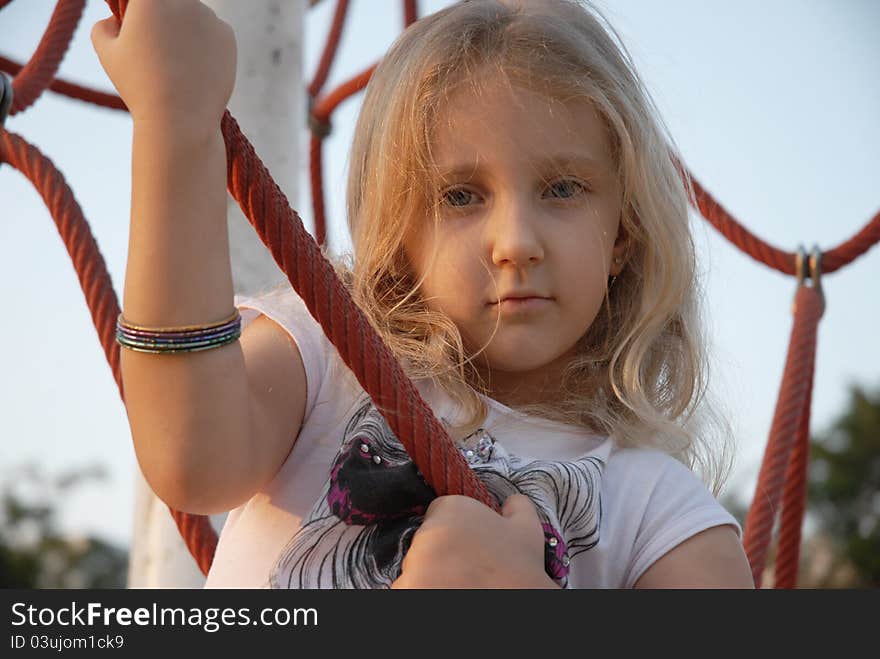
x=5 y=97
x=808 y=268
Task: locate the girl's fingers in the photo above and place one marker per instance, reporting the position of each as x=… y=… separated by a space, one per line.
x=103 y=34
x=520 y=510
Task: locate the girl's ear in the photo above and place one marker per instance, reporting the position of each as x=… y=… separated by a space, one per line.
x=619 y=252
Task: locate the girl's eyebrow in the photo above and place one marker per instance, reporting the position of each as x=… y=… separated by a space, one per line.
x=459 y=171
x=576 y=161
x=561 y=161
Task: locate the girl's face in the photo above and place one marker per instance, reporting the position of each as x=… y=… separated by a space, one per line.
x=529 y=207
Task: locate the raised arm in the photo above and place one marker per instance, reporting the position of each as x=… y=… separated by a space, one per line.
x=210 y=427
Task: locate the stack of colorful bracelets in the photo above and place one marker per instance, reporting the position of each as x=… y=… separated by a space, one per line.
x=192 y=338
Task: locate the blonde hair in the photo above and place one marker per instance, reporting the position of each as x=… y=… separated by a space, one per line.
x=640 y=371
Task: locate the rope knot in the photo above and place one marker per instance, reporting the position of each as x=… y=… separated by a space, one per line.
x=320 y=128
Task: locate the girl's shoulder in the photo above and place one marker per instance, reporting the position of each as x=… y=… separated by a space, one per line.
x=635 y=459
x=651 y=504
x=659 y=490
x=652 y=472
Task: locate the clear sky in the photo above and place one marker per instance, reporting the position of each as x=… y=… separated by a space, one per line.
x=775 y=107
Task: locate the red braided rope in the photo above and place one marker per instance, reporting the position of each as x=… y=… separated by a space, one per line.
x=327 y=104
x=410 y=12
x=330 y=47
x=320 y=122
x=762 y=251
x=791 y=413
x=40 y=70
x=316 y=178
x=346 y=326
x=794 y=501
x=97 y=287
x=70 y=89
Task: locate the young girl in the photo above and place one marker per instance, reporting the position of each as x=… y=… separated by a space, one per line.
x=521 y=243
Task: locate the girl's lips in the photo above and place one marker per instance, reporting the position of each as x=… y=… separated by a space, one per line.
x=523 y=304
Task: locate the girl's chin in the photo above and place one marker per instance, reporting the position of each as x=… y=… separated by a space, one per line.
x=522 y=361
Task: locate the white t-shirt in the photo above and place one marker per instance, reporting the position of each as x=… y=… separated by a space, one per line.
x=342 y=509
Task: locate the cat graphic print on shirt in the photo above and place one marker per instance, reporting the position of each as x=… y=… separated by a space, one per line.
x=358 y=531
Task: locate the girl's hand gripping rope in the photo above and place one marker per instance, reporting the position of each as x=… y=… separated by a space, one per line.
x=464 y=544
x=172 y=61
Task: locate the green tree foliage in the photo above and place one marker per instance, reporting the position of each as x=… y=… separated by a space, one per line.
x=34 y=553
x=844 y=487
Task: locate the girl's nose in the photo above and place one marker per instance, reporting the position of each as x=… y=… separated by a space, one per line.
x=514 y=235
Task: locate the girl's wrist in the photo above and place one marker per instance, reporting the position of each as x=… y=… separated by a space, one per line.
x=180 y=129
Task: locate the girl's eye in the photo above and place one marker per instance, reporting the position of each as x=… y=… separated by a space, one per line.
x=457 y=197
x=565 y=189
